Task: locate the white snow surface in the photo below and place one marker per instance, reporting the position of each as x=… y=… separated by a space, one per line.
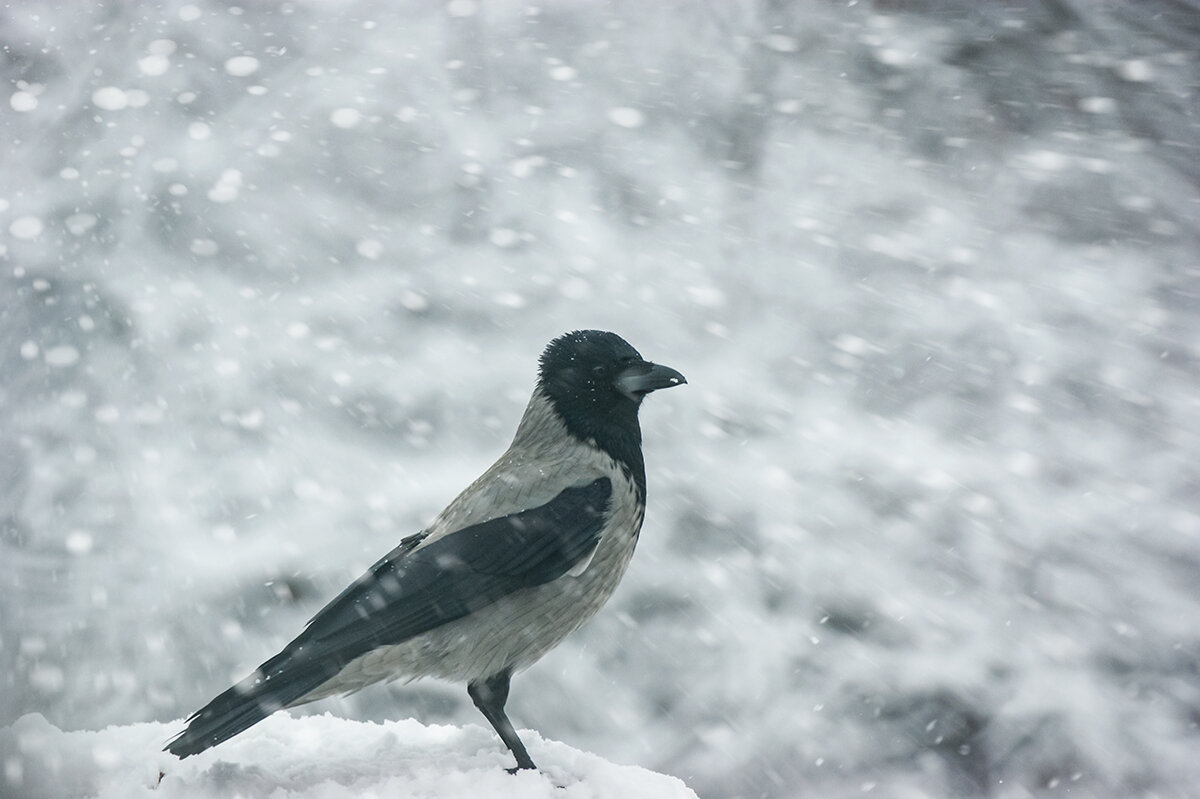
x=315 y=757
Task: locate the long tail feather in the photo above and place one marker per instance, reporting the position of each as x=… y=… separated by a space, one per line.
x=277 y=684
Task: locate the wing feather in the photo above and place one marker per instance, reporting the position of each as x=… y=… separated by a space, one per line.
x=417 y=588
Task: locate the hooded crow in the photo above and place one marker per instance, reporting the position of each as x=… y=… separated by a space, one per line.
x=521 y=558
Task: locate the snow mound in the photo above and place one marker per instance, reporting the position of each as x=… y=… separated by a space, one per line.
x=310 y=757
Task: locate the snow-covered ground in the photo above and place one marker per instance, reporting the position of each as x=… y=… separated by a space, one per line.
x=926 y=520
x=318 y=757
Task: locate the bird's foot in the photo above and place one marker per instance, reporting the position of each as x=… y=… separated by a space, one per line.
x=522 y=767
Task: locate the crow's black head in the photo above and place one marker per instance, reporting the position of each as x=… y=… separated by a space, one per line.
x=596 y=382
x=593 y=371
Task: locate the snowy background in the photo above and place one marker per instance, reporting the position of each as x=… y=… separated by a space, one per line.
x=926 y=521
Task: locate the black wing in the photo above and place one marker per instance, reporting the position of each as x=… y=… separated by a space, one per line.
x=411 y=591
x=416 y=589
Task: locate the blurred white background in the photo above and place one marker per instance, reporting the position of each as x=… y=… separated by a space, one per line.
x=926 y=521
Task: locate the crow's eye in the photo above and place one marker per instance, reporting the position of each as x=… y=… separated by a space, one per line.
x=597 y=370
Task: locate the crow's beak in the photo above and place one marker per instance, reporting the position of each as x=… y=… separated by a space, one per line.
x=640 y=379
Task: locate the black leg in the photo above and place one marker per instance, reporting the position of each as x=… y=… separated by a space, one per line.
x=489 y=696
